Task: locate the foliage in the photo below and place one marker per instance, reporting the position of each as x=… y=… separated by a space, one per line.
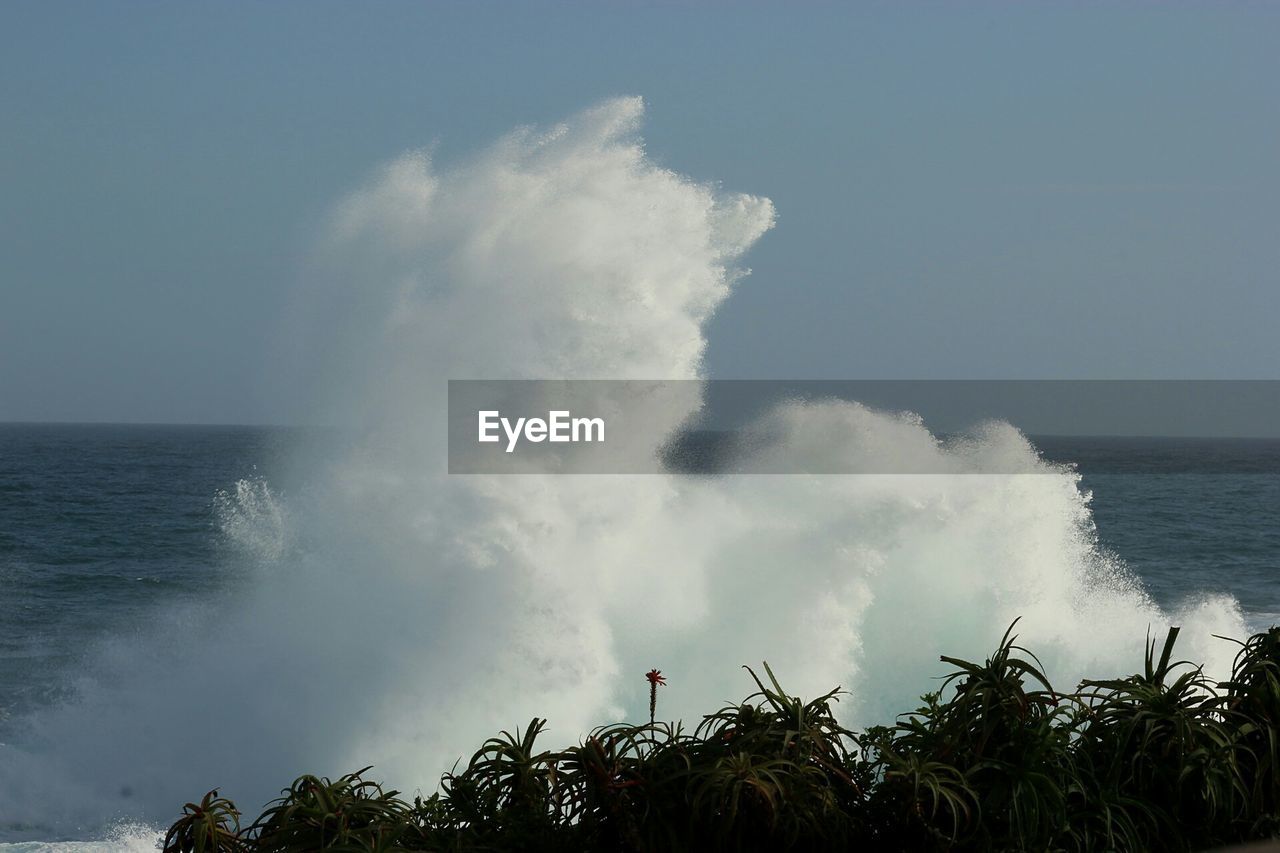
x=213 y=826
x=996 y=759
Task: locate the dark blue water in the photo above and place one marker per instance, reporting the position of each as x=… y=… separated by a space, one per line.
x=101 y=525
x=1187 y=515
x=1184 y=533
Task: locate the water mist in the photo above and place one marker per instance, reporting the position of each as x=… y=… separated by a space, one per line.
x=405 y=615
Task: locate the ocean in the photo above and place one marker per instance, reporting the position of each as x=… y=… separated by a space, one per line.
x=104 y=528
x=103 y=525
x=100 y=525
x=190 y=608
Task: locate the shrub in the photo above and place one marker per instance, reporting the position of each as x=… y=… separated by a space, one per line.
x=996 y=759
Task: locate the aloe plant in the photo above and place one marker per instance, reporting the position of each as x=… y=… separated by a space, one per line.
x=1252 y=695
x=210 y=826
x=995 y=759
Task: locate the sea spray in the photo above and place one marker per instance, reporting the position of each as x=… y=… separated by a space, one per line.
x=253 y=519
x=428 y=612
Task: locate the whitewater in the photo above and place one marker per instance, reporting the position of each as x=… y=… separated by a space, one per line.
x=396 y=615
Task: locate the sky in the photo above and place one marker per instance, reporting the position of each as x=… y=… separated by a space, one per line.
x=1029 y=191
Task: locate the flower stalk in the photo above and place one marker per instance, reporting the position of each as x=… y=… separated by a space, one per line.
x=656 y=678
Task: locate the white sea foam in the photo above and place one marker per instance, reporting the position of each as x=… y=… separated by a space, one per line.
x=124 y=838
x=430 y=611
x=254 y=519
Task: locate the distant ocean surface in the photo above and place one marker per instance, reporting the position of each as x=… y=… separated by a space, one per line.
x=102 y=525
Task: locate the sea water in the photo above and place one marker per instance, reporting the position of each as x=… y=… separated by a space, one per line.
x=186 y=608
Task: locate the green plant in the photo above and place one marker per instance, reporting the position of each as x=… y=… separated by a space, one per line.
x=1163 y=738
x=996 y=759
x=774 y=770
x=990 y=764
x=1252 y=695
x=347 y=814
x=212 y=826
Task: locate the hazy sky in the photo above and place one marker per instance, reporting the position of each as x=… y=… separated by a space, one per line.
x=998 y=191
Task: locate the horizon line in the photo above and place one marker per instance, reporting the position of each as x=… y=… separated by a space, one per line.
x=227 y=425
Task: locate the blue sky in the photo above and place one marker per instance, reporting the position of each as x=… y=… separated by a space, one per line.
x=964 y=190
